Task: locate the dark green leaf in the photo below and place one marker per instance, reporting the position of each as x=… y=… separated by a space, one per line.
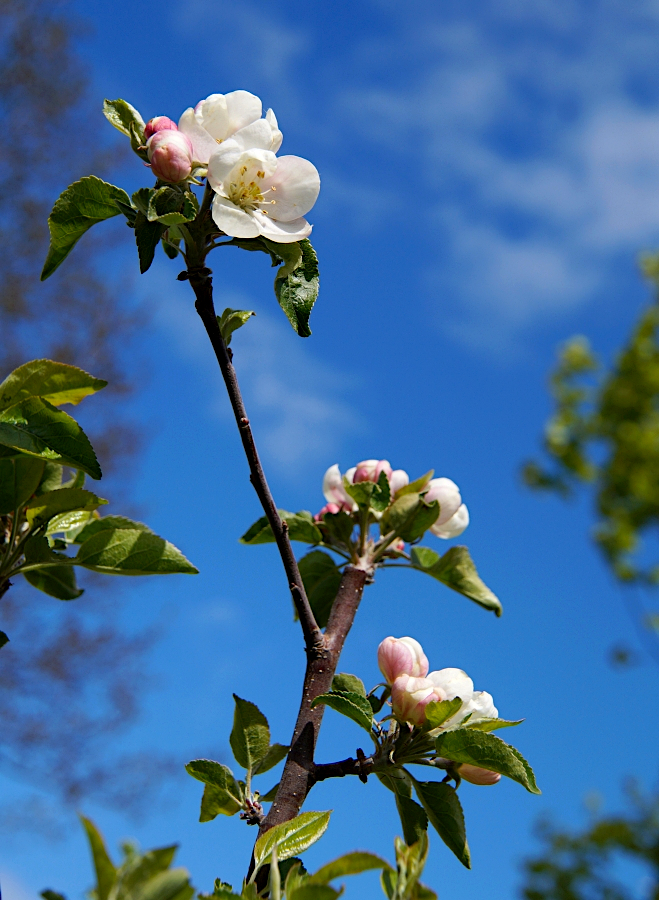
x=292 y=837
x=250 y=735
x=121 y=114
x=456 y=570
x=34 y=426
x=438 y=712
x=231 y=320
x=147 y=238
x=52 y=895
x=296 y=282
x=55 y=382
x=479 y=748
x=46 y=506
x=395 y=780
x=82 y=205
x=410 y=516
x=141 y=200
x=340 y=527
x=321 y=578
x=128 y=551
x=354 y=706
x=275 y=754
x=301 y=527
x=51 y=479
x=3 y=639
x=416 y=486
x=56 y=581
x=440 y=801
x=314 y=892
x=19 y=479
x=344 y=682
x=171 y=207
x=492 y=724
x=381 y=494
x=370 y=494
x=105 y=871
x=413 y=818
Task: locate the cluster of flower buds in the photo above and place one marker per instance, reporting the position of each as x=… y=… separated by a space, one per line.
x=453 y=514
x=405 y=668
x=225 y=138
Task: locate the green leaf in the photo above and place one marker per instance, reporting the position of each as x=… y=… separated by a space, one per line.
x=110 y=523
x=381 y=494
x=174 y=884
x=46 y=506
x=3 y=639
x=105 y=871
x=292 y=837
x=231 y=320
x=456 y=570
x=83 y=204
x=441 y=804
x=413 y=818
x=131 y=551
x=250 y=735
x=56 y=581
x=416 y=486
x=410 y=516
x=19 y=479
x=340 y=527
x=349 y=864
x=121 y=114
x=171 y=207
x=51 y=479
x=270 y=795
x=37 y=428
x=51 y=895
x=275 y=754
x=479 y=748
x=354 y=706
x=141 y=200
x=301 y=527
x=147 y=238
x=492 y=724
x=344 y=682
x=55 y=382
x=296 y=282
x=321 y=577
x=139 y=869
x=396 y=780
x=69 y=523
x=438 y=712
x=222 y=793
x=314 y=892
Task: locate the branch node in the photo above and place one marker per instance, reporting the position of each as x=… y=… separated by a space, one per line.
x=244 y=422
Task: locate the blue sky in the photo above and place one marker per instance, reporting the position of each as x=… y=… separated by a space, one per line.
x=489 y=176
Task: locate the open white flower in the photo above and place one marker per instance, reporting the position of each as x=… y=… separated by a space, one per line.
x=258 y=194
x=222 y=116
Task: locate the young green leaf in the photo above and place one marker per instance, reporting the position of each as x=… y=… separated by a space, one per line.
x=43 y=508
x=410 y=516
x=492 y=724
x=348 y=864
x=174 y=884
x=270 y=795
x=437 y=712
x=416 y=486
x=292 y=837
x=275 y=754
x=441 y=804
x=231 y=320
x=147 y=238
x=479 y=748
x=354 y=706
x=56 y=581
x=110 y=523
x=340 y=527
x=250 y=735
x=222 y=793
x=106 y=873
x=131 y=551
x=413 y=818
x=55 y=382
x=83 y=204
x=296 y=282
x=345 y=682
x=321 y=577
x=301 y=527
x=314 y=892
x=19 y=479
x=137 y=872
x=456 y=570
x=121 y=114
x=171 y=207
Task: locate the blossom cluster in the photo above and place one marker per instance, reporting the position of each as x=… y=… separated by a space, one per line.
x=405 y=668
x=453 y=514
x=226 y=139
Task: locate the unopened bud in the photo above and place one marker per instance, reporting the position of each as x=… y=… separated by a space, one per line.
x=328 y=508
x=448 y=494
x=370 y=470
x=455 y=525
x=410 y=696
x=401 y=656
x=159 y=123
x=476 y=775
x=170 y=155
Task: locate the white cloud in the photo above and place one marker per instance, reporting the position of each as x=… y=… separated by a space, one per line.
x=11 y=888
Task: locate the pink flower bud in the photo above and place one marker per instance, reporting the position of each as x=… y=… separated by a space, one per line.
x=159 y=123
x=448 y=494
x=401 y=656
x=398 y=479
x=370 y=469
x=170 y=155
x=398 y=545
x=476 y=775
x=335 y=492
x=328 y=508
x=410 y=696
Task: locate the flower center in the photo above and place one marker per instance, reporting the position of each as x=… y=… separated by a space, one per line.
x=247 y=194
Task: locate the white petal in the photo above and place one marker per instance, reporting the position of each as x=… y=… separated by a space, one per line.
x=399 y=478
x=455 y=525
x=350 y=474
x=282 y=232
x=202 y=143
x=455 y=683
x=277 y=136
x=331 y=482
x=212 y=115
x=242 y=108
x=257 y=135
x=232 y=220
x=296 y=184
x=221 y=163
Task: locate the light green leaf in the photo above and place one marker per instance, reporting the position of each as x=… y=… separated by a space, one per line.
x=174 y=884
x=441 y=804
x=479 y=748
x=292 y=837
x=56 y=581
x=147 y=238
x=19 y=479
x=410 y=516
x=270 y=795
x=345 y=682
x=301 y=527
x=275 y=754
x=110 y=523
x=413 y=818
x=321 y=577
x=105 y=871
x=69 y=523
x=214 y=802
x=250 y=735
x=416 y=486
x=43 y=508
x=492 y=724
x=37 y=428
x=354 y=706
x=128 y=551
x=349 y=864
x=456 y=570
x=121 y=114
x=296 y=282
x=438 y=712
x=83 y=204
x=231 y=320
x=55 y=382
x=314 y=892
x=222 y=793
x=139 y=869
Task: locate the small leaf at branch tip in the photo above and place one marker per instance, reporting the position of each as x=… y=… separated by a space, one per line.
x=231 y=320
x=353 y=705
